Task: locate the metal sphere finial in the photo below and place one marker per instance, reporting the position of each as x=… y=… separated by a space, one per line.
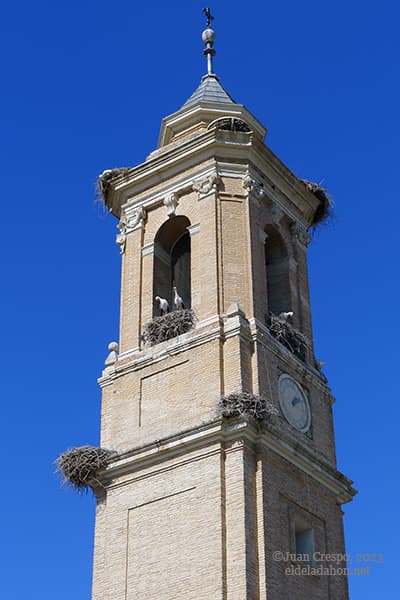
x=208 y=36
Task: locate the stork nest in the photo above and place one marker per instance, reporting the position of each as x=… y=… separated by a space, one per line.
x=242 y=403
x=78 y=466
x=288 y=336
x=168 y=326
x=104 y=181
x=324 y=210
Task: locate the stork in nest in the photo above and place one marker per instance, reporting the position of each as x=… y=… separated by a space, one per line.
x=163 y=304
x=285 y=316
x=178 y=302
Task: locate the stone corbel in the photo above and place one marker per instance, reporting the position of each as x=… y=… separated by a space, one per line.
x=300 y=233
x=206 y=185
x=171 y=201
x=253 y=187
x=129 y=223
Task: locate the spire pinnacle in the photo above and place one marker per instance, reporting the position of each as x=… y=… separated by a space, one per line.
x=208 y=38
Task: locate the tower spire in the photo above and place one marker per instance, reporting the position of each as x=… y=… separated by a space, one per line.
x=208 y=38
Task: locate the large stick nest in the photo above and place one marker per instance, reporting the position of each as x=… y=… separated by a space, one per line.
x=168 y=326
x=290 y=337
x=78 y=466
x=242 y=403
x=324 y=210
x=104 y=181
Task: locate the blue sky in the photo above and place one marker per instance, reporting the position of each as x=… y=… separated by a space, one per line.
x=85 y=86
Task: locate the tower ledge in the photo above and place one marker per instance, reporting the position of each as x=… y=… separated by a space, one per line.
x=218 y=433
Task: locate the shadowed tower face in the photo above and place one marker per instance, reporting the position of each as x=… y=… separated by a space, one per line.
x=203 y=493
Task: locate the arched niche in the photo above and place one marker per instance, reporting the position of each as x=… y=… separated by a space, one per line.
x=172 y=262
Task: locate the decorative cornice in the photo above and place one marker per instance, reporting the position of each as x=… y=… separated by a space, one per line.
x=206 y=185
x=213 y=437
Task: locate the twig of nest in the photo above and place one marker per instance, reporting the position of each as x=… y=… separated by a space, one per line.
x=242 y=403
x=324 y=210
x=78 y=466
x=104 y=181
x=291 y=338
x=168 y=326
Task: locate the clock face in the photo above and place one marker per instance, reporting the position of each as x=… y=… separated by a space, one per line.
x=294 y=403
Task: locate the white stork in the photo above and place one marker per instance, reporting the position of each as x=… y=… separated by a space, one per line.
x=164 y=306
x=285 y=316
x=178 y=302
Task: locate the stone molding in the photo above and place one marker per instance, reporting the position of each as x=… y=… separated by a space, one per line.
x=148 y=249
x=193 y=229
x=235 y=323
x=141 y=357
x=213 y=437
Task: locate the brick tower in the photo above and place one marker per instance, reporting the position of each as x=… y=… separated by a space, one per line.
x=200 y=504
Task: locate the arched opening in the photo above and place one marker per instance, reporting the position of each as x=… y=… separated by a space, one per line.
x=230 y=124
x=172 y=262
x=277 y=270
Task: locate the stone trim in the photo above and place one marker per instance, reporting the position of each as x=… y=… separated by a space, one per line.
x=147 y=356
x=148 y=249
x=211 y=438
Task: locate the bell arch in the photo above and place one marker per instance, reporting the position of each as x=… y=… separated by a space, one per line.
x=277 y=272
x=172 y=262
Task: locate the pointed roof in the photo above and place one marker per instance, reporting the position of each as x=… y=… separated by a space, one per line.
x=209 y=90
x=208 y=102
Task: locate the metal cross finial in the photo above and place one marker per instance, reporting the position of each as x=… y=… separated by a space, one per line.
x=208 y=37
x=209 y=16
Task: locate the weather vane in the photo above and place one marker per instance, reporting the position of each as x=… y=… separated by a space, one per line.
x=209 y=16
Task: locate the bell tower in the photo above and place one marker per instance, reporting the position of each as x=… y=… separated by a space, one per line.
x=224 y=480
